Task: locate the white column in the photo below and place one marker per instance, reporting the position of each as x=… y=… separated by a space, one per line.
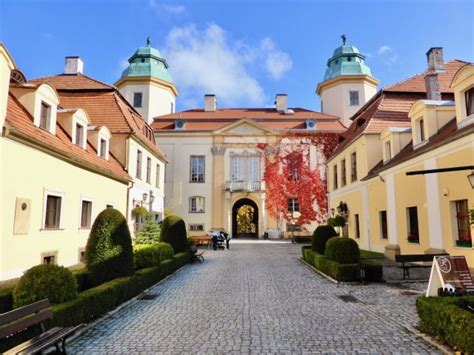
x=392 y=226
x=434 y=207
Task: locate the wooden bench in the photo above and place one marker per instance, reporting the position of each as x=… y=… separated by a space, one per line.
x=408 y=260
x=203 y=240
x=20 y=319
x=197 y=255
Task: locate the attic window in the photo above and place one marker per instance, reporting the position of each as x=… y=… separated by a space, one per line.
x=79 y=136
x=103 y=148
x=45 y=116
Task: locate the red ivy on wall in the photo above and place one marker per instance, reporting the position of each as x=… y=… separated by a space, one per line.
x=288 y=174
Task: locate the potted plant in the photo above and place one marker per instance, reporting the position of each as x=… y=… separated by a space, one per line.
x=139 y=211
x=413 y=238
x=464 y=240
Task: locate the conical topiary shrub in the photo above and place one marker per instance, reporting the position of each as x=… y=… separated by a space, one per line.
x=109 y=252
x=343 y=250
x=173 y=231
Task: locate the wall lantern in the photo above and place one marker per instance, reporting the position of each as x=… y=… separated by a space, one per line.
x=471 y=178
x=342 y=208
x=145 y=196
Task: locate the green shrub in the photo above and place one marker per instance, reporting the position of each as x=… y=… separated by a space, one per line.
x=151 y=254
x=173 y=231
x=320 y=237
x=109 y=248
x=339 y=272
x=339 y=221
x=190 y=241
x=53 y=282
x=373 y=270
x=442 y=317
x=6 y=297
x=343 y=250
x=150 y=231
x=82 y=279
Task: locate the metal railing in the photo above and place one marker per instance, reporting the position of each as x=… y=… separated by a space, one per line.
x=243 y=185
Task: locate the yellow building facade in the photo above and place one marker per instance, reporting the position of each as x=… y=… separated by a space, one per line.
x=410 y=128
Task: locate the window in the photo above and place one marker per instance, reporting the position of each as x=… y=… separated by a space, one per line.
x=245 y=167
x=148 y=170
x=196 y=227
x=293 y=205
x=334 y=169
x=464 y=238
x=356 y=227
x=137 y=99
x=421 y=130
x=294 y=162
x=353 y=167
x=197 y=168
x=388 y=151
x=109 y=206
x=139 y=164
x=469 y=101
x=322 y=107
x=45 y=116
x=53 y=212
x=354 y=98
x=157 y=182
x=343 y=172
x=412 y=224
x=103 y=148
x=79 y=135
x=50 y=257
x=86 y=214
x=383 y=224
x=196 y=204
x=172 y=108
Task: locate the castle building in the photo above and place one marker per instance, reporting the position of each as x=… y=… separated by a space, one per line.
x=348 y=83
x=147 y=84
x=399 y=174
x=57 y=173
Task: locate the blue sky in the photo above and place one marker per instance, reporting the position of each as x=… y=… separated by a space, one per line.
x=243 y=51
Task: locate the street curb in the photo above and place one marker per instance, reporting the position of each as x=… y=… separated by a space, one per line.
x=427 y=339
x=319 y=272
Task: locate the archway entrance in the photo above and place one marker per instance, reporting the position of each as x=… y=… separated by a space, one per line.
x=245 y=219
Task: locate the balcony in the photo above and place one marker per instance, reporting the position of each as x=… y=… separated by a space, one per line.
x=243 y=186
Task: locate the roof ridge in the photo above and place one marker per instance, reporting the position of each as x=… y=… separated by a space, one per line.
x=123 y=113
x=96 y=80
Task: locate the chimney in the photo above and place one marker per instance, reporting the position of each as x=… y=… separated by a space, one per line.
x=73 y=65
x=432 y=87
x=281 y=102
x=435 y=59
x=210 y=103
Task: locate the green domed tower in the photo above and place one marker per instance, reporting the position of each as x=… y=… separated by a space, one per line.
x=147 y=84
x=348 y=83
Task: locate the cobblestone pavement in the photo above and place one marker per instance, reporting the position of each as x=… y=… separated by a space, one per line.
x=257 y=298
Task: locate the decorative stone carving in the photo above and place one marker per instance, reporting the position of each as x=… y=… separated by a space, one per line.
x=218 y=150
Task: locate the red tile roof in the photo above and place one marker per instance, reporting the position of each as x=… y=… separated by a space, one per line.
x=446 y=134
x=200 y=120
x=390 y=106
x=104 y=104
x=20 y=124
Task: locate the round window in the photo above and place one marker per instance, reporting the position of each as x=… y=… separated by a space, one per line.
x=24 y=206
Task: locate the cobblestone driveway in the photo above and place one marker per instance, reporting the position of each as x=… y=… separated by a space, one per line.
x=257 y=298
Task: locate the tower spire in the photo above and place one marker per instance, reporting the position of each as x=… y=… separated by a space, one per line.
x=344 y=38
x=148 y=41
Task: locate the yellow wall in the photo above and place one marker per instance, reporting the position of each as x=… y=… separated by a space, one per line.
x=377 y=202
x=29 y=179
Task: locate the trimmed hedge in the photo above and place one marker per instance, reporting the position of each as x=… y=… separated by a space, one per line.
x=109 y=251
x=343 y=250
x=97 y=301
x=321 y=235
x=343 y=272
x=53 y=282
x=173 y=231
x=6 y=298
x=441 y=316
x=149 y=255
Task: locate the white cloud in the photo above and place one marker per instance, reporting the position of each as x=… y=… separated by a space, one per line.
x=384 y=50
x=173 y=9
x=207 y=61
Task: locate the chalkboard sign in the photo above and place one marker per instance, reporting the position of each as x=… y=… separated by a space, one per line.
x=450 y=272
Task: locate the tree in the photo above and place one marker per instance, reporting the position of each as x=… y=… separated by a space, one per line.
x=150 y=231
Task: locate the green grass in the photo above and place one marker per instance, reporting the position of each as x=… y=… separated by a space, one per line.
x=365 y=254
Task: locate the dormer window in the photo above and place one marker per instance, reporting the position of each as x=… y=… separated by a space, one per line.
x=103 y=151
x=354 y=98
x=179 y=124
x=45 y=116
x=79 y=136
x=469 y=101
x=388 y=151
x=421 y=130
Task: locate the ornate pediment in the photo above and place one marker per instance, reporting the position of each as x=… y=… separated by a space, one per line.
x=244 y=127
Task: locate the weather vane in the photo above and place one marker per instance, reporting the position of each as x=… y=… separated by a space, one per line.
x=148 y=41
x=343 y=39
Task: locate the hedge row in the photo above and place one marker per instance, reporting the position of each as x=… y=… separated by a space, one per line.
x=95 y=302
x=442 y=317
x=343 y=272
x=149 y=255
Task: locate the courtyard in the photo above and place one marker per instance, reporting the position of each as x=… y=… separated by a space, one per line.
x=259 y=298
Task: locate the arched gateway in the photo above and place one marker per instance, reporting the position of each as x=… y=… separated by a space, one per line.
x=245 y=219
